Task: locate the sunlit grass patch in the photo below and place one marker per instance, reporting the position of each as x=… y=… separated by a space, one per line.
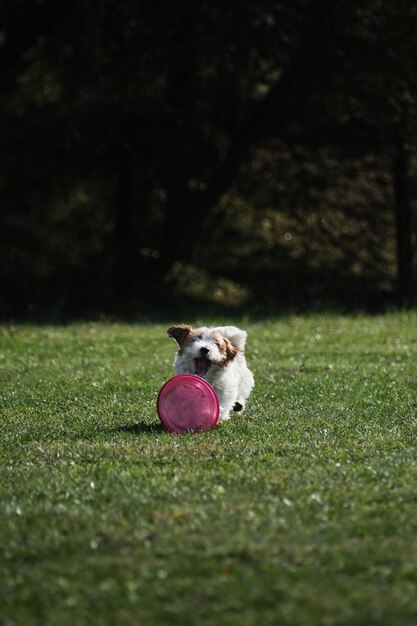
x=300 y=511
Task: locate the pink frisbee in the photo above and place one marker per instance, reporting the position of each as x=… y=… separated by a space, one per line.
x=187 y=402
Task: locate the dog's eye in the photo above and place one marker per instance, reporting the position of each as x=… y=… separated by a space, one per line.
x=199 y=337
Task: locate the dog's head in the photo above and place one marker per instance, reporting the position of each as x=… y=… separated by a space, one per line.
x=203 y=348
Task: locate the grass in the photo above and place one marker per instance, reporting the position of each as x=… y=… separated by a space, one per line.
x=300 y=512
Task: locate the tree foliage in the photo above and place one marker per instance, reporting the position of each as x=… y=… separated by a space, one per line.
x=143 y=139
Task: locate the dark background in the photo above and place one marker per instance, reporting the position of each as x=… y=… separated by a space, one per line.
x=256 y=156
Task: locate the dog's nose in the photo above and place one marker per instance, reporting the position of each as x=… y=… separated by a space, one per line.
x=204 y=351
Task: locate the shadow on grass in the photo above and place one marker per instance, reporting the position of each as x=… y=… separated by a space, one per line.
x=140 y=428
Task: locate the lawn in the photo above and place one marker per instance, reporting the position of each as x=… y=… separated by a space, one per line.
x=300 y=512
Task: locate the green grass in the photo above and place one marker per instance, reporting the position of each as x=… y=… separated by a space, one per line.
x=302 y=511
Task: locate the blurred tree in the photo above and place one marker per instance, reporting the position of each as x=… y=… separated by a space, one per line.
x=124 y=124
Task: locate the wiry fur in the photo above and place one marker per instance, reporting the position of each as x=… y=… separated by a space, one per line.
x=216 y=354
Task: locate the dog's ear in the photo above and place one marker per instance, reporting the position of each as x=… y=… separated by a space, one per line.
x=236 y=336
x=231 y=350
x=179 y=333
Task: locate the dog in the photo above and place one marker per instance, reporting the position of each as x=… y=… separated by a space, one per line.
x=217 y=355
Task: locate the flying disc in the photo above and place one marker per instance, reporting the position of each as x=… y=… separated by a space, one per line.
x=187 y=402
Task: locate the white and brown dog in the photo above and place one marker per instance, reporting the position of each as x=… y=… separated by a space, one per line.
x=216 y=354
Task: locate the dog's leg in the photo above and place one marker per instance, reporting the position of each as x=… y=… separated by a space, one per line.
x=227 y=397
x=246 y=384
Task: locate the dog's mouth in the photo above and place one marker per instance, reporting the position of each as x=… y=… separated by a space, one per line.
x=201 y=367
